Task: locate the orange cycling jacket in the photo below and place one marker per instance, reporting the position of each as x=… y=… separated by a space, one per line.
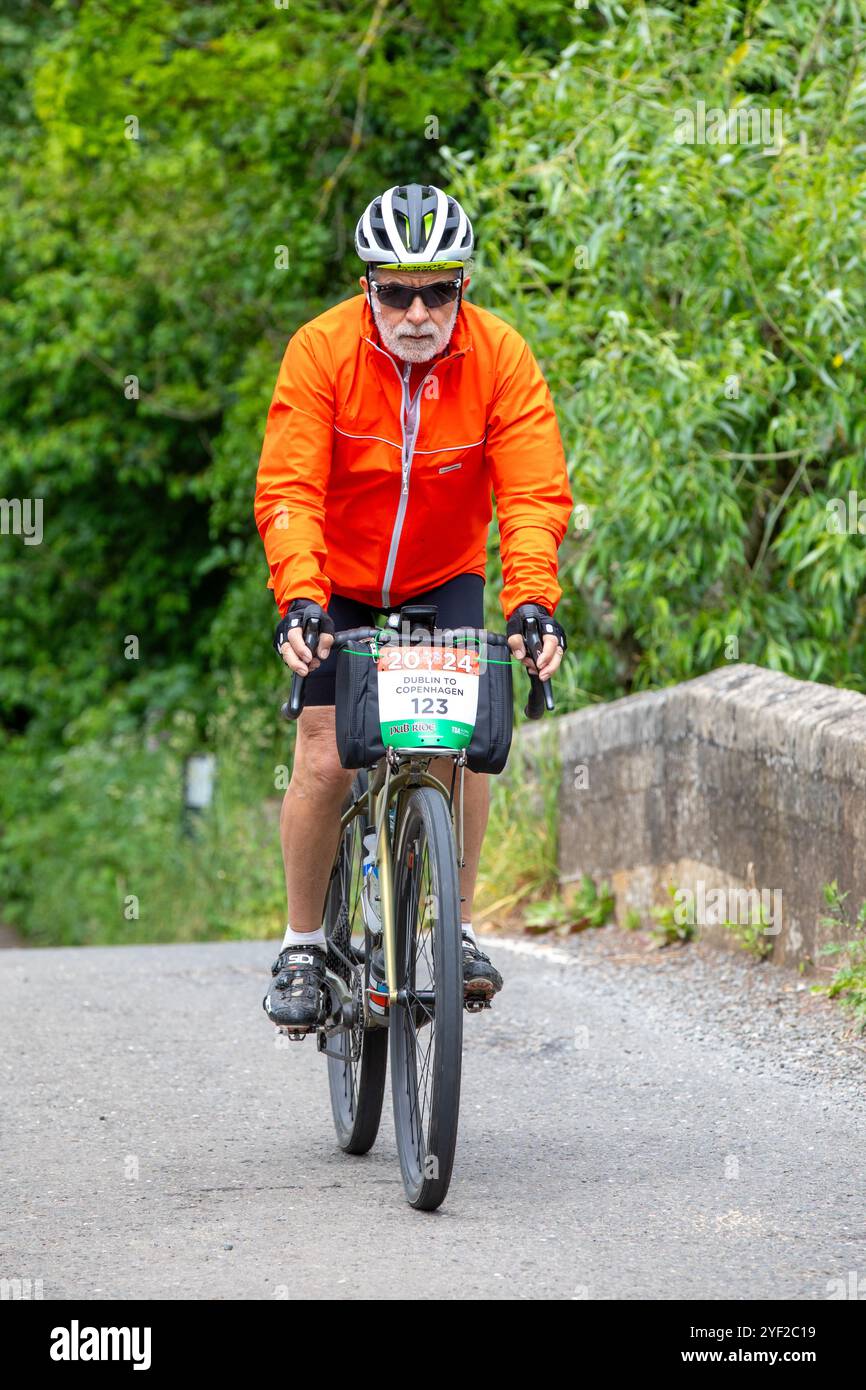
x=376 y=487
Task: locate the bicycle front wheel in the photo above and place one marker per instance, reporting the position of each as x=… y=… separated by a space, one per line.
x=358 y=1058
x=427 y=1024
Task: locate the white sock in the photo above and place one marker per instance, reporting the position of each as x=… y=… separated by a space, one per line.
x=304 y=938
x=466 y=928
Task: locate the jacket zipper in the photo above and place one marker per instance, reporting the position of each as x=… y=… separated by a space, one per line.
x=410 y=420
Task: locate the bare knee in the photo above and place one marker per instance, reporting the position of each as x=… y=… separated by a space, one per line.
x=317 y=763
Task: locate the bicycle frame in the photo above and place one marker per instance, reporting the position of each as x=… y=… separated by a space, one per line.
x=385 y=787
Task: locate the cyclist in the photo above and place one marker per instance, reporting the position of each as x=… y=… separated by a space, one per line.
x=395 y=414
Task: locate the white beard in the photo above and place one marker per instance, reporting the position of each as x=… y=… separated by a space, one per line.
x=410 y=346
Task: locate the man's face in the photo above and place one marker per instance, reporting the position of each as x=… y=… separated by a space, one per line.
x=415 y=334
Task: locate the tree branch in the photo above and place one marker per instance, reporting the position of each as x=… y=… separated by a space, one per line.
x=806 y=60
x=173 y=412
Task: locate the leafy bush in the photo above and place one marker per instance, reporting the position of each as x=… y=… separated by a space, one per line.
x=698 y=310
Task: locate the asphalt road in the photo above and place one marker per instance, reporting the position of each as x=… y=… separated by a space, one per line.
x=157 y=1143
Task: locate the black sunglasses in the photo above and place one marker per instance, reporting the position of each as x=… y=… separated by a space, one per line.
x=396 y=296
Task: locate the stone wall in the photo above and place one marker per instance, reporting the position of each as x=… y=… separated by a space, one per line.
x=742 y=779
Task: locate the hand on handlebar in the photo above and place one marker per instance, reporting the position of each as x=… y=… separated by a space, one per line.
x=538 y=640
x=294 y=640
x=297 y=655
x=551 y=656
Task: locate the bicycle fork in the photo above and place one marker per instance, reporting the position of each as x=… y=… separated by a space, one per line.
x=406 y=777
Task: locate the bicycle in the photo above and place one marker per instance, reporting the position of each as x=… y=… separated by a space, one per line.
x=416 y=1011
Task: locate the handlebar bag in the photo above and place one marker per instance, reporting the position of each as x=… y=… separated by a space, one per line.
x=361 y=737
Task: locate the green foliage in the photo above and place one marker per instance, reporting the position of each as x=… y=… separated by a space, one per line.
x=751 y=937
x=157 y=156
x=591 y=906
x=96 y=849
x=849 y=983
x=520 y=851
x=163 y=154
x=698 y=309
x=671 y=925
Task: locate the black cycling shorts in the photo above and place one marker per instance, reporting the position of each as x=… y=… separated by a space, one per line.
x=459 y=602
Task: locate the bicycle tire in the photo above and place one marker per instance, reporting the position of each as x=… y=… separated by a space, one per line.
x=426 y=1124
x=356 y=1078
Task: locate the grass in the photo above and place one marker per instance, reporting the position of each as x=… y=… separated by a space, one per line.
x=849 y=983
x=521 y=852
x=97 y=851
x=520 y=856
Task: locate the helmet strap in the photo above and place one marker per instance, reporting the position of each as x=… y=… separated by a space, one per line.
x=370 y=302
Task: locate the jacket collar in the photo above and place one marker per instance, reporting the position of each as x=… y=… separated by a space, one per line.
x=461 y=336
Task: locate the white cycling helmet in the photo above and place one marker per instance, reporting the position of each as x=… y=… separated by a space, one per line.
x=414 y=226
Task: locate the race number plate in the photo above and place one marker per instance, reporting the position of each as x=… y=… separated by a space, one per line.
x=428 y=696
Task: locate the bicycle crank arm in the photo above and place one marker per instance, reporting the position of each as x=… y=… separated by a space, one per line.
x=340 y=991
x=340 y=1018
x=329 y=1051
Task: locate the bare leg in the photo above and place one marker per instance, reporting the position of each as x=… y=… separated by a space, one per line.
x=310 y=818
x=475 y=814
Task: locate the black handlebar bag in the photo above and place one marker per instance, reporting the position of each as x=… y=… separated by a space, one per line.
x=360 y=741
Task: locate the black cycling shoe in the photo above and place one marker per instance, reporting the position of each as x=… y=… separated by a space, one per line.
x=294 y=1000
x=481 y=979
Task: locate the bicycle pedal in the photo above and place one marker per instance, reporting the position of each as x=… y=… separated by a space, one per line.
x=475 y=1003
x=295 y=1034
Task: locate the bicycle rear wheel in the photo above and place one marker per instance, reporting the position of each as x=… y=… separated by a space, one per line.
x=427 y=1025
x=356 y=1076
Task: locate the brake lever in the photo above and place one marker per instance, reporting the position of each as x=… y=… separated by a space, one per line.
x=295 y=703
x=540 y=692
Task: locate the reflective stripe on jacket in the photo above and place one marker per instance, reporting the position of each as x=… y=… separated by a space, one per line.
x=375 y=478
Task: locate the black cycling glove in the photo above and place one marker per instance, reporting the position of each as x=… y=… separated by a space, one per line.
x=547 y=624
x=297 y=614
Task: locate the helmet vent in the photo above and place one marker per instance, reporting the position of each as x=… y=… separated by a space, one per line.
x=414 y=224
